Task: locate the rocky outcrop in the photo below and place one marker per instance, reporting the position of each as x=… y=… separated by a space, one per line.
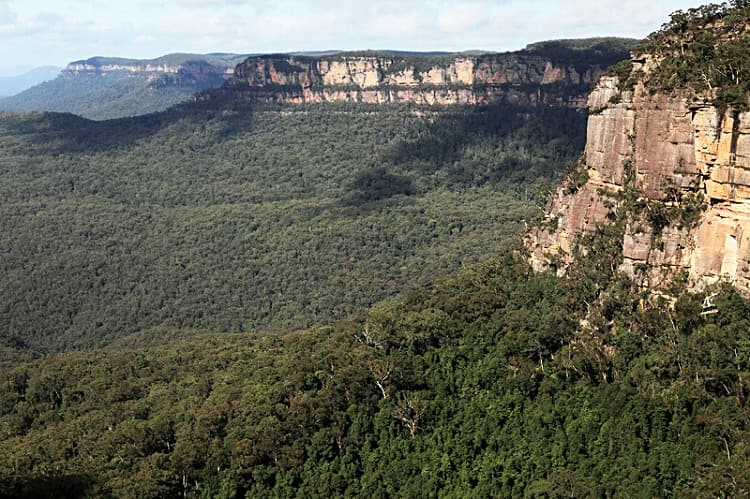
x=674 y=173
x=517 y=77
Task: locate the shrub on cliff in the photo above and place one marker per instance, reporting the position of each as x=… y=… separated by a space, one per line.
x=705 y=50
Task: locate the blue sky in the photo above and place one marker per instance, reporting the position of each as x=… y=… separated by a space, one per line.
x=55 y=32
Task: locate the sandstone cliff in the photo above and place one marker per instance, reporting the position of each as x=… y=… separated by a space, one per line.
x=522 y=77
x=204 y=71
x=674 y=170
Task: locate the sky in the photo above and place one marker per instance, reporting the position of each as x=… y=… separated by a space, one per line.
x=54 y=32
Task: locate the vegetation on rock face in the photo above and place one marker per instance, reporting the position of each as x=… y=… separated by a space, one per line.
x=704 y=50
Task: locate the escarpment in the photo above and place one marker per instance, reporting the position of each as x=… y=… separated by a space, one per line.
x=670 y=168
x=525 y=77
x=179 y=69
x=108 y=87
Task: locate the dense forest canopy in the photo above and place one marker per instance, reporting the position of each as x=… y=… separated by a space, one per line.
x=483 y=385
x=238 y=217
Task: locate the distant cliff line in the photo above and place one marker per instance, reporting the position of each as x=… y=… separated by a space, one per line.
x=551 y=74
x=171 y=63
x=76 y=68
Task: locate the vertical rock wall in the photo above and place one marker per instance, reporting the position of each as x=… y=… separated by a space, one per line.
x=687 y=171
x=461 y=80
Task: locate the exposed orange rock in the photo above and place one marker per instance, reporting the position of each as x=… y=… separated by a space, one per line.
x=673 y=152
x=524 y=79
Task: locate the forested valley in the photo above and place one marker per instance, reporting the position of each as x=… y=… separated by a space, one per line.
x=481 y=385
x=228 y=217
x=242 y=299
x=497 y=381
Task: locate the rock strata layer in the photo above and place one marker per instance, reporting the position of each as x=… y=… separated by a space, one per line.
x=470 y=80
x=681 y=170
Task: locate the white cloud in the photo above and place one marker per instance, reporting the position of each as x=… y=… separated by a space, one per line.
x=8 y=18
x=57 y=31
x=211 y=3
x=632 y=14
x=463 y=17
x=393 y=26
x=15 y=25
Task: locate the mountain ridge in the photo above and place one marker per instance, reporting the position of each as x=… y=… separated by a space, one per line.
x=532 y=75
x=107 y=87
x=11 y=85
x=111 y=87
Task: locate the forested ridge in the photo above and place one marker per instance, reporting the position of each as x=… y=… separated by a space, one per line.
x=104 y=96
x=136 y=87
x=487 y=384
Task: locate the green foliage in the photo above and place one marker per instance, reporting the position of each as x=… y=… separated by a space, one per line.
x=586 y=52
x=486 y=384
x=229 y=217
x=575 y=176
x=705 y=50
x=626 y=77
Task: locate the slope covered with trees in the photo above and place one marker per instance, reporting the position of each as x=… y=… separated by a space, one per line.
x=488 y=384
x=704 y=50
x=112 y=87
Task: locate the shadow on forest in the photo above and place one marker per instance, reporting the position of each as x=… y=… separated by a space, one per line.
x=527 y=141
x=57 y=133
x=463 y=147
x=57 y=487
x=377 y=184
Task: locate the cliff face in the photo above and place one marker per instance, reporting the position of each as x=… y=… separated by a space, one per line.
x=677 y=176
x=187 y=73
x=522 y=78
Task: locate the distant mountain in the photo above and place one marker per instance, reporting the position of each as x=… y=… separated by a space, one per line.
x=559 y=71
x=11 y=85
x=109 y=87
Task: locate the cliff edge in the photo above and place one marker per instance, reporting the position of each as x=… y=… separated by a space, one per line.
x=556 y=73
x=667 y=160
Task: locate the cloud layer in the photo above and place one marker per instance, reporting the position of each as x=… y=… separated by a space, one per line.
x=57 y=31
